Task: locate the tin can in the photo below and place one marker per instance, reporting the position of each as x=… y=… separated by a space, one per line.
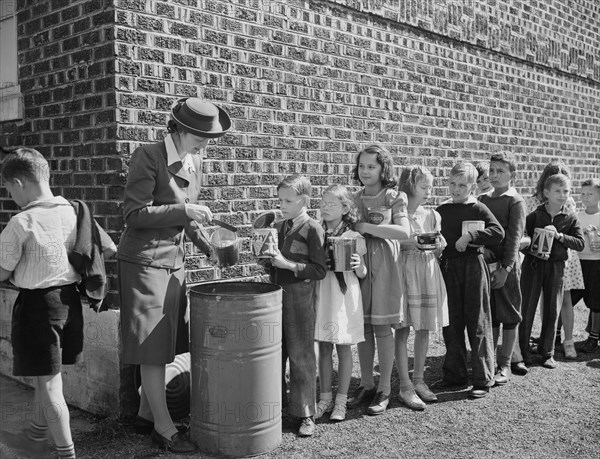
x=264 y=242
x=379 y=215
x=541 y=242
x=341 y=250
x=428 y=241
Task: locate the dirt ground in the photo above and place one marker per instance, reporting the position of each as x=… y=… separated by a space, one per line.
x=546 y=414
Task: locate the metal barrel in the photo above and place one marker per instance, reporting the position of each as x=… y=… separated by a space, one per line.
x=236 y=367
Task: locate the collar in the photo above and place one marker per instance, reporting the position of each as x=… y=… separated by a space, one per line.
x=512 y=191
x=470 y=200
x=173 y=156
x=47 y=203
x=300 y=219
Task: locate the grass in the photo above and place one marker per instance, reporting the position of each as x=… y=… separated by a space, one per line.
x=546 y=414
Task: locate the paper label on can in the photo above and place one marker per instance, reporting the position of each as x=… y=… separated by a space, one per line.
x=264 y=242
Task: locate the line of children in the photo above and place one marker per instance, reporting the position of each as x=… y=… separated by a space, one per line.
x=397 y=285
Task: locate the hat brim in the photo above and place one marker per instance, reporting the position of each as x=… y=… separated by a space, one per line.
x=224 y=121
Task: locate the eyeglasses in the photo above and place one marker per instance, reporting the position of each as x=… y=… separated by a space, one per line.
x=329 y=205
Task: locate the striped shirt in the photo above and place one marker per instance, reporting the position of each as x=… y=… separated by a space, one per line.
x=34 y=245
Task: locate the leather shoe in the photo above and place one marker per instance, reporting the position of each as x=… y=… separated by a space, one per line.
x=519 y=368
x=410 y=399
x=361 y=396
x=424 y=393
x=307 y=427
x=179 y=443
x=549 y=363
x=502 y=376
x=143 y=426
x=379 y=404
x=479 y=391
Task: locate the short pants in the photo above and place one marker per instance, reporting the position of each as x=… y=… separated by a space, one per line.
x=47 y=330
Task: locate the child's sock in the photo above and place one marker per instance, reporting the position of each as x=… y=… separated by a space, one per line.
x=366 y=356
x=37 y=432
x=66 y=452
x=326 y=396
x=341 y=399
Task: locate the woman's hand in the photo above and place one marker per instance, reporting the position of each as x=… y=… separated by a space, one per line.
x=198 y=213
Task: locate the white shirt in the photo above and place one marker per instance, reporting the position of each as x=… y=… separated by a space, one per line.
x=34 y=244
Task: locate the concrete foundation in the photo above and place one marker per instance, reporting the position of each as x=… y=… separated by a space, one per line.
x=94 y=385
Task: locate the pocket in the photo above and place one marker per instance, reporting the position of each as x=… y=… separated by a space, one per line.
x=139 y=244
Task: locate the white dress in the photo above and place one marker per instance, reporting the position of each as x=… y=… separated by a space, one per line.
x=340 y=317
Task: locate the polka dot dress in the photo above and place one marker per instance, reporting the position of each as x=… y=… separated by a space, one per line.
x=573 y=274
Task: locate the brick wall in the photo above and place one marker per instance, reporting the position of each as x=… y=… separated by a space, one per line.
x=307 y=83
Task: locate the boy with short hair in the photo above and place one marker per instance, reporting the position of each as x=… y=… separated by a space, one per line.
x=468 y=284
x=546 y=274
x=509 y=208
x=47 y=320
x=483 y=179
x=298 y=264
x=589 y=218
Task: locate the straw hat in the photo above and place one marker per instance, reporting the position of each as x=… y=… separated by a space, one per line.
x=200 y=118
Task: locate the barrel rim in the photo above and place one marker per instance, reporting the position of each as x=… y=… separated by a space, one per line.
x=266 y=288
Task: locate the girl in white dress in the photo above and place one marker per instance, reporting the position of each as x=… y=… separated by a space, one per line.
x=339 y=304
x=426 y=305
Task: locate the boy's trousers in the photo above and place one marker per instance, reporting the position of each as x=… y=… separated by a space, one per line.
x=547 y=277
x=299 y=346
x=468 y=285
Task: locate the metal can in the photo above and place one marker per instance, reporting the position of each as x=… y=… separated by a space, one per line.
x=379 y=215
x=264 y=242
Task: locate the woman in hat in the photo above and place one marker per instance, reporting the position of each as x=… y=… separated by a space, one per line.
x=161 y=213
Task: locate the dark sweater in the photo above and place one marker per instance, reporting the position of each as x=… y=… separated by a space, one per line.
x=303 y=244
x=566 y=224
x=454 y=214
x=509 y=209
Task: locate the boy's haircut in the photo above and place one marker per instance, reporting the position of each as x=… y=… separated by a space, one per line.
x=555 y=167
x=409 y=178
x=482 y=169
x=507 y=158
x=299 y=183
x=385 y=161
x=557 y=179
x=347 y=200
x=593 y=182
x=25 y=164
x=466 y=169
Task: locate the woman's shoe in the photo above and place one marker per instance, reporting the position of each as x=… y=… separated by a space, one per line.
x=410 y=399
x=179 y=443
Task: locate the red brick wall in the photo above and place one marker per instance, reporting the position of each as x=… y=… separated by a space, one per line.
x=307 y=83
